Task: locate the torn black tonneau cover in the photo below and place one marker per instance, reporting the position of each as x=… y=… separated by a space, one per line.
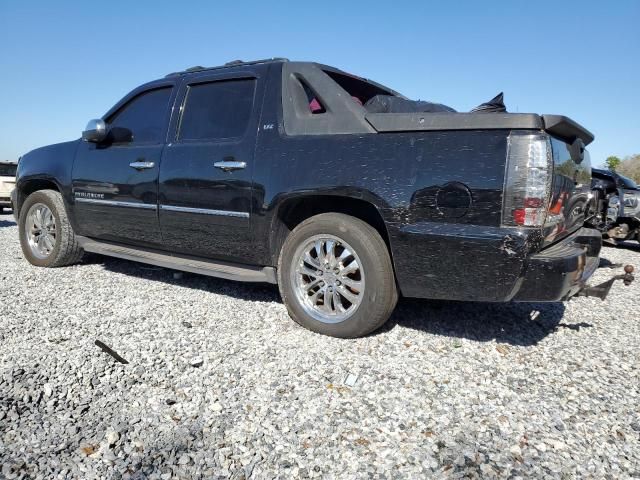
x=557 y=125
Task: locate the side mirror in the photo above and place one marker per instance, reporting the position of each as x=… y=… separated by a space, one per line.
x=95 y=131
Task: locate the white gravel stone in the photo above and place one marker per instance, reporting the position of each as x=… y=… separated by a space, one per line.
x=112 y=437
x=351 y=380
x=196 y=362
x=445 y=390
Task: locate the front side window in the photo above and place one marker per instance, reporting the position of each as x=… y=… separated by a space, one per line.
x=145 y=116
x=217 y=110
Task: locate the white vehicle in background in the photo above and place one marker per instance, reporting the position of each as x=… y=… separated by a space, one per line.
x=7 y=183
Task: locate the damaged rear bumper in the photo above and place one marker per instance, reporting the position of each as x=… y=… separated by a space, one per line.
x=561 y=270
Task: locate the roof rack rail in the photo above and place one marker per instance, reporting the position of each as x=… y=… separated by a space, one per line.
x=233 y=63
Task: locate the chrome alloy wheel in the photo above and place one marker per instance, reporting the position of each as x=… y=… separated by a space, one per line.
x=40 y=230
x=328 y=278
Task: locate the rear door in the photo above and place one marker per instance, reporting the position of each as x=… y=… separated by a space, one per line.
x=115 y=183
x=206 y=196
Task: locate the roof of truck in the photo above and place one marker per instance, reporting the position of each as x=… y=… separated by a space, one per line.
x=233 y=63
x=240 y=63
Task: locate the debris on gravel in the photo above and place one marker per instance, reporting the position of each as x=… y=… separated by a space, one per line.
x=106 y=349
x=443 y=390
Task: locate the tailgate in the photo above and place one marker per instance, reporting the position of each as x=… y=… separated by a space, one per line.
x=570 y=191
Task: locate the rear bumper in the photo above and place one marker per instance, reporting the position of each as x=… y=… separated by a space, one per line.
x=561 y=270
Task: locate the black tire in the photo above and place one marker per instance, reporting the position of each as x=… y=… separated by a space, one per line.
x=380 y=294
x=66 y=250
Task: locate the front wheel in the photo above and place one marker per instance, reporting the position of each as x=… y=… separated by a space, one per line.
x=336 y=277
x=46 y=236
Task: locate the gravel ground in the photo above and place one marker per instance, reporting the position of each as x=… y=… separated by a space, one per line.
x=222 y=384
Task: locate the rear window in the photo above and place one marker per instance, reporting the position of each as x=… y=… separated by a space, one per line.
x=8 y=170
x=359 y=89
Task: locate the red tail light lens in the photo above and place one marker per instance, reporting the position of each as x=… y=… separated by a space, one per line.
x=527 y=180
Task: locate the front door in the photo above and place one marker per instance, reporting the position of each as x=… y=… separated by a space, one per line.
x=205 y=189
x=115 y=183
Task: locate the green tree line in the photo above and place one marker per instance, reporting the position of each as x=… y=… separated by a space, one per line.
x=629 y=166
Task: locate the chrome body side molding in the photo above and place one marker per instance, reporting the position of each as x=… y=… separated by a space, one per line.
x=171 y=208
x=205 y=211
x=116 y=203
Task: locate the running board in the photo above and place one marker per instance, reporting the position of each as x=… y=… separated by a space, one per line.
x=230 y=271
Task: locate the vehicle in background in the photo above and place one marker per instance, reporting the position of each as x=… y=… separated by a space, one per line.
x=7 y=183
x=617 y=206
x=340 y=190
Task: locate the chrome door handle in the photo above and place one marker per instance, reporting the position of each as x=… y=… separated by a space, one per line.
x=141 y=165
x=230 y=165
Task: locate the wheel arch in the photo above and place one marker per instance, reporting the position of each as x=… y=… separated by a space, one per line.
x=28 y=186
x=294 y=209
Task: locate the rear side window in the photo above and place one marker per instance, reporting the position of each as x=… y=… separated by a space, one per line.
x=217 y=110
x=145 y=116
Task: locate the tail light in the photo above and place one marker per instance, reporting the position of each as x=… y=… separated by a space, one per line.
x=527 y=185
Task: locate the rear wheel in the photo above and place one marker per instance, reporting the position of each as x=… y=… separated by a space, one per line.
x=336 y=277
x=46 y=236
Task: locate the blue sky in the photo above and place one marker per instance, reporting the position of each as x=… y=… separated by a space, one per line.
x=62 y=63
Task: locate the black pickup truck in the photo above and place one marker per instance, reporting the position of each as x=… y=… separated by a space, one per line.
x=340 y=190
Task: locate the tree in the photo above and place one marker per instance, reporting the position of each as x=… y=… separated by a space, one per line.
x=630 y=167
x=612 y=162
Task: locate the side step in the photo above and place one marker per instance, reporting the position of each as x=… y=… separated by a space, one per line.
x=230 y=271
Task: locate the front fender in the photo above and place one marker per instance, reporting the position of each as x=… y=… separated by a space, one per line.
x=44 y=167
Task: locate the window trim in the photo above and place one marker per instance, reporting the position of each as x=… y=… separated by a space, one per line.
x=207 y=80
